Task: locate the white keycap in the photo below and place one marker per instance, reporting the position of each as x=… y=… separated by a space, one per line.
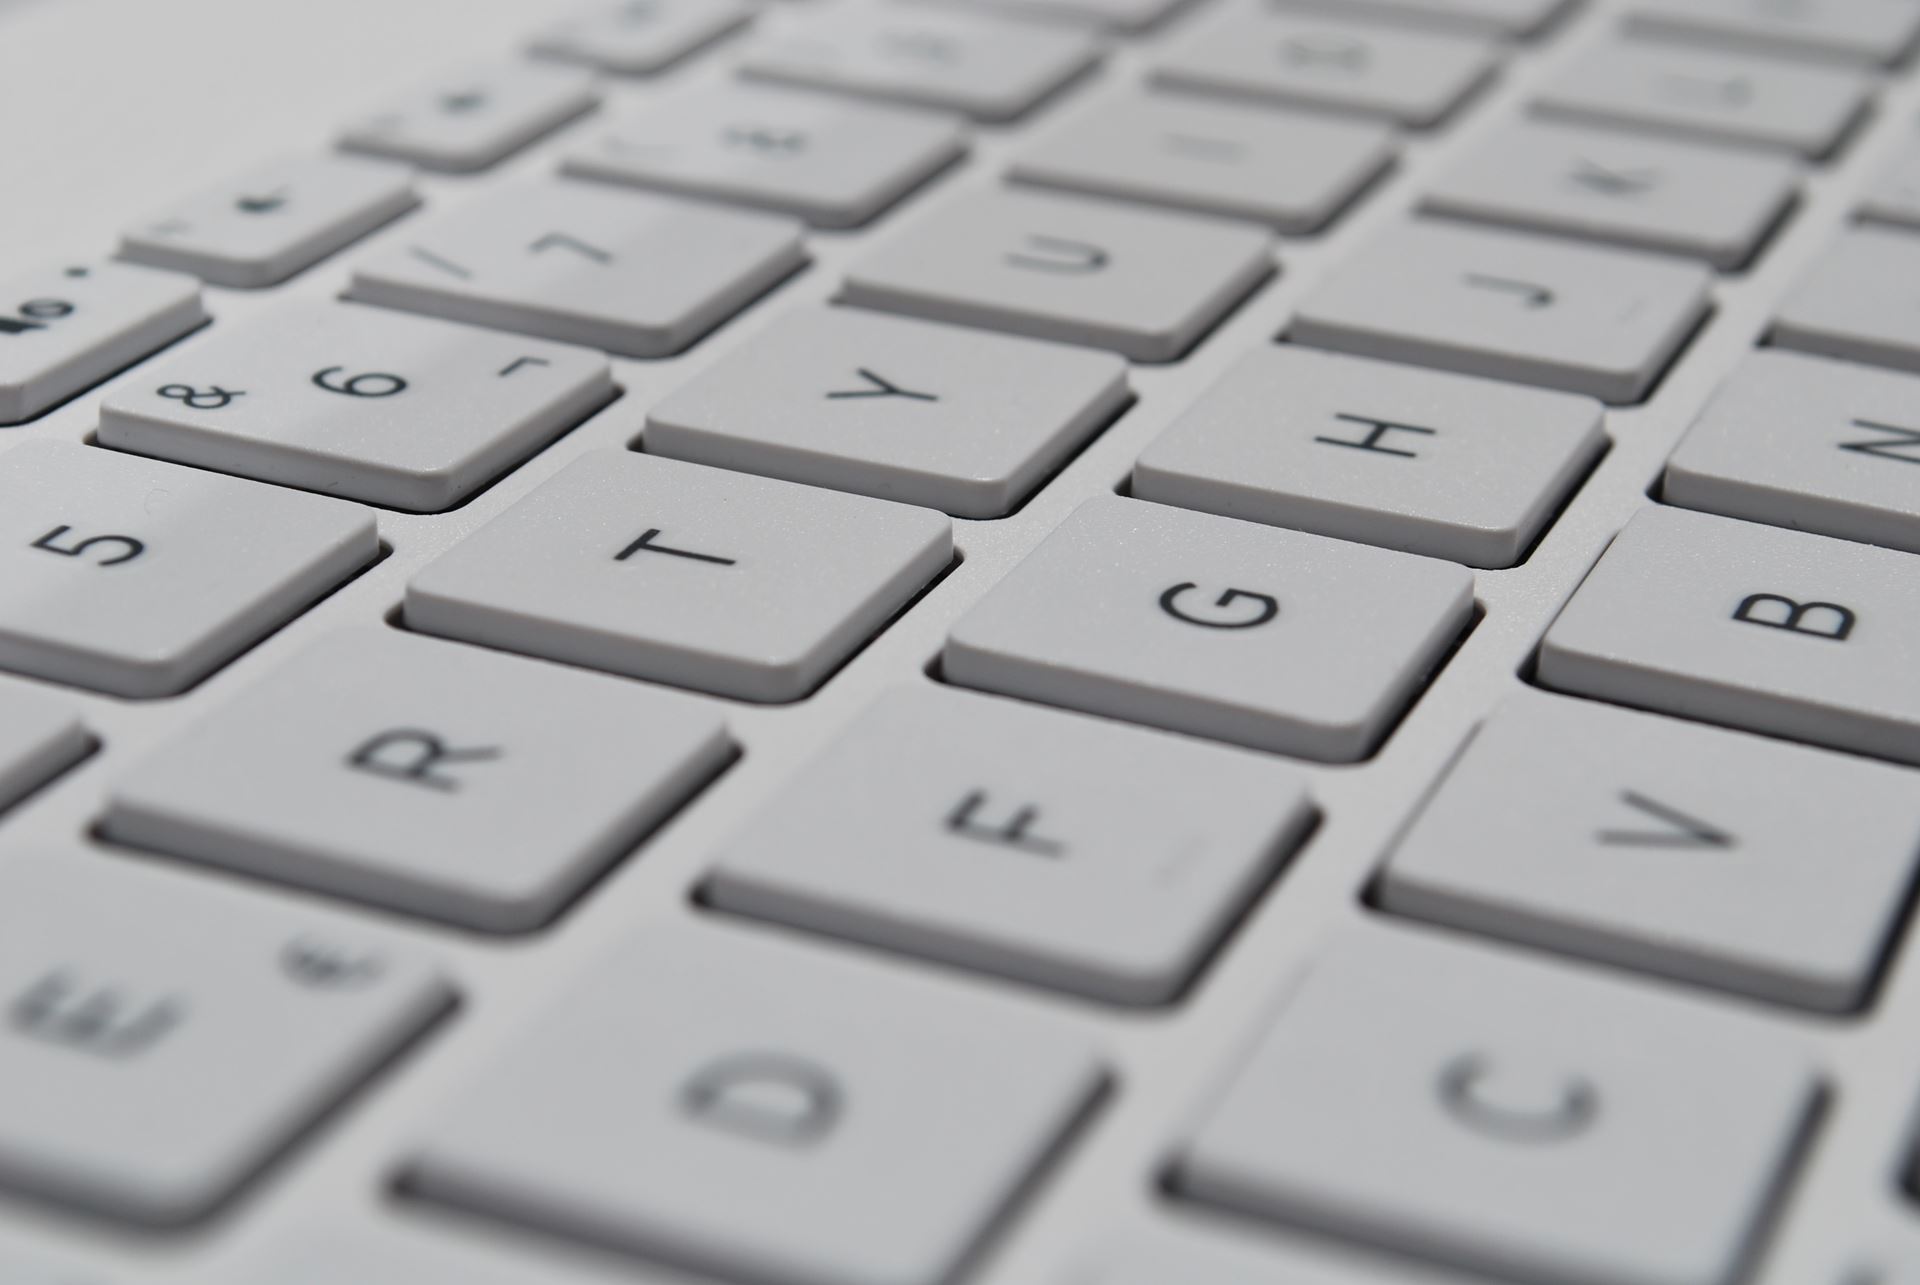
x=952 y=419
x=65 y=328
x=1758 y=102
x=668 y=571
x=639 y=275
x=140 y=578
x=805 y=1118
x=1128 y=16
x=1144 y=283
x=359 y=402
x=1684 y=850
x=40 y=737
x=1272 y=56
x=1198 y=624
x=1860 y=300
x=1512 y=306
x=166 y=1036
x=451 y=782
x=35 y=1271
x=1781 y=632
x=1291 y=171
x=474 y=117
x=1863 y=32
x=831 y=162
x=640 y=37
x=1444 y=465
x=274 y=220
x=1020 y=841
x=1808 y=443
x=1508 y=1118
x=1205 y=1256
x=1488 y=18
x=1895 y=197
x=1632 y=190
x=979 y=67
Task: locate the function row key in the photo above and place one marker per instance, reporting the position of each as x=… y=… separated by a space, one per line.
x=277 y=219
x=640 y=37
x=473 y=118
x=66 y=327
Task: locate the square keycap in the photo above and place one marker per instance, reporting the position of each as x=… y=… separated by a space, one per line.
x=418 y=775
x=1021 y=841
x=1200 y=624
x=955 y=419
x=1444 y=465
x=649 y=567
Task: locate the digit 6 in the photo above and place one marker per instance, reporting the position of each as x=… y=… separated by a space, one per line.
x=370 y=383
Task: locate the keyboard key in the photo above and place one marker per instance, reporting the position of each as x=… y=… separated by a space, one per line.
x=834 y=163
x=35 y=1271
x=1895 y=197
x=1271 y=56
x=952 y=419
x=1292 y=171
x=39 y=738
x=989 y=70
x=1443 y=465
x=1022 y=842
x=641 y=37
x=1640 y=192
x=1211 y=1258
x=64 y=329
x=1756 y=102
x=1811 y=444
x=1530 y=1114
x=1861 y=32
x=656 y=569
x=274 y=220
x=1511 y=306
x=361 y=403
x=638 y=275
x=474 y=118
x=1486 y=18
x=139 y=578
x=1124 y=16
x=165 y=1037
x=1858 y=301
x=1699 y=854
x=445 y=781
x=1198 y=624
x=782 y=1099
x=1145 y=283
x=1774 y=631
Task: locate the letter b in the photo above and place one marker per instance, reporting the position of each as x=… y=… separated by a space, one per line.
x=1815 y=619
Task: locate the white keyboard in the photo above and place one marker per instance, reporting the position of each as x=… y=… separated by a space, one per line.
x=959 y=642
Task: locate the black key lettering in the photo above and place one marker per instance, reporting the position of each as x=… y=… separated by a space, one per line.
x=99 y=1020
x=129 y=548
x=1264 y=608
x=1465 y=1089
x=881 y=387
x=370 y=383
x=562 y=241
x=1893 y=446
x=1529 y=294
x=645 y=544
x=1015 y=832
x=1378 y=430
x=1814 y=619
x=415 y=757
x=1677 y=829
x=213 y=397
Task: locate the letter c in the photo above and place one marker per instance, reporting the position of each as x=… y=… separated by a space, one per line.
x=1266 y=609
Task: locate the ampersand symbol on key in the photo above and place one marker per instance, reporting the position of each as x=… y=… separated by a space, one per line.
x=212 y=398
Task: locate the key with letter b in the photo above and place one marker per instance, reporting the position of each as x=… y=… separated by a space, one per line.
x=1776 y=631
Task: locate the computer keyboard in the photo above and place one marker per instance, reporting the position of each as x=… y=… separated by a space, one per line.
x=959 y=642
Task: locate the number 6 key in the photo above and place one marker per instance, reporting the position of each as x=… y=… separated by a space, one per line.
x=404 y=412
